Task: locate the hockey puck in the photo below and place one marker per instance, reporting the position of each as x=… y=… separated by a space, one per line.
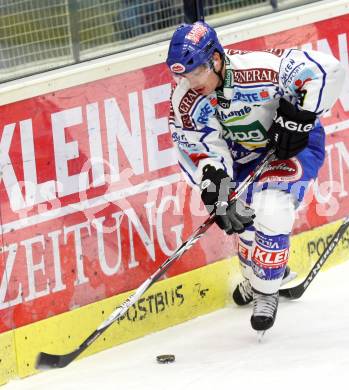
x=163 y=359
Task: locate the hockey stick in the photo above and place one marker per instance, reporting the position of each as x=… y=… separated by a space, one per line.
x=48 y=361
x=297 y=291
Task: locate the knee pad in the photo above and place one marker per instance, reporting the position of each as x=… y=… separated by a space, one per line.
x=275 y=212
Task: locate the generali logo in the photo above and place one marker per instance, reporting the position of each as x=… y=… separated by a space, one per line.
x=256 y=75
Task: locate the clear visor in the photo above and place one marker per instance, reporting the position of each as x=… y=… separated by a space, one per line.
x=196 y=78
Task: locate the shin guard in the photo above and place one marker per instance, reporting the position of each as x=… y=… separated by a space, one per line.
x=269 y=259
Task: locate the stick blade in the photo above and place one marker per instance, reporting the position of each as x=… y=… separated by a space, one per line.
x=47 y=361
x=291 y=293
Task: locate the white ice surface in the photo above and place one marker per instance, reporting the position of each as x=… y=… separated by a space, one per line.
x=308 y=348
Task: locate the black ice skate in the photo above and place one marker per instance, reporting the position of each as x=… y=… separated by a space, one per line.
x=243 y=295
x=264 y=311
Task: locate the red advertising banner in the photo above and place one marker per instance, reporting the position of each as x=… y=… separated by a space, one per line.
x=92 y=200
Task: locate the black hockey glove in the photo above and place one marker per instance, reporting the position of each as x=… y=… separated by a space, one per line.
x=289 y=132
x=216 y=186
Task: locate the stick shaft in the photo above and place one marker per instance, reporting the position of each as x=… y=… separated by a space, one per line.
x=297 y=291
x=54 y=361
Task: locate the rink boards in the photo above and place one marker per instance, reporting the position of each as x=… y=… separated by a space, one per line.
x=92 y=200
x=167 y=303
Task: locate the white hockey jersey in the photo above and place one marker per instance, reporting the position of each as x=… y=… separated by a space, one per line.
x=232 y=123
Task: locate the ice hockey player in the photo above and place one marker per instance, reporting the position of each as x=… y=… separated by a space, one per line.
x=227 y=108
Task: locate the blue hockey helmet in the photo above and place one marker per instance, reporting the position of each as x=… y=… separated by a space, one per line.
x=192 y=45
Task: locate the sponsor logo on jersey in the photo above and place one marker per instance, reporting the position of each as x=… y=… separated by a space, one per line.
x=233 y=116
x=228 y=80
x=283 y=171
x=177 y=68
x=246 y=136
x=213 y=101
x=196 y=33
x=187 y=101
x=251 y=136
x=187 y=122
x=181 y=140
x=290 y=72
x=203 y=112
x=251 y=96
x=255 y=75
x=299 y=85
x=224 y=103
x=301 y=91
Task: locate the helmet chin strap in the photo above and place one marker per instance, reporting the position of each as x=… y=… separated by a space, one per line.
x=219 y=72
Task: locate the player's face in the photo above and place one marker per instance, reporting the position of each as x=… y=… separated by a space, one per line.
x=202 y=79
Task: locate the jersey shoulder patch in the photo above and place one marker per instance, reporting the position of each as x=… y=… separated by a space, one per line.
x=193 y=109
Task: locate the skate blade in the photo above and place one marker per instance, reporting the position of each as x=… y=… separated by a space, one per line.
x=260 y=334
x=291 y=276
